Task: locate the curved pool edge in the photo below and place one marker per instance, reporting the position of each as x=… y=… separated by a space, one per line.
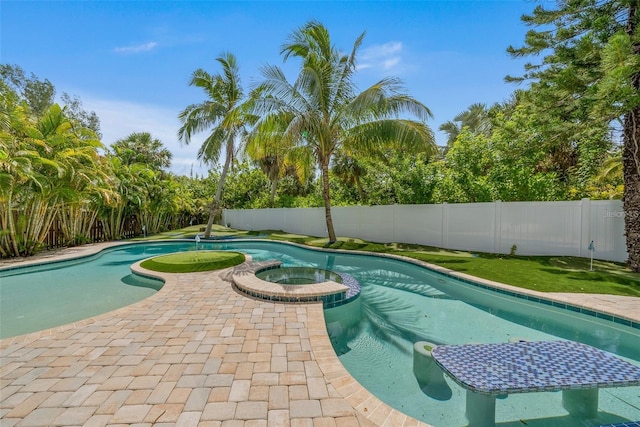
x=60 y=255
x=606 y=306
x=368 y=406
x=168 y=283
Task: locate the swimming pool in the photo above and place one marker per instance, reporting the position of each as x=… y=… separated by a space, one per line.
x=401 y=303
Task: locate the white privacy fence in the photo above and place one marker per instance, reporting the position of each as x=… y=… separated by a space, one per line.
x=535 y=228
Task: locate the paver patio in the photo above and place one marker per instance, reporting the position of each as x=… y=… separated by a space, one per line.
x=196 y=353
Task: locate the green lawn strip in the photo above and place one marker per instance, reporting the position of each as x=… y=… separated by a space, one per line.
x=544 y=274
x=192 y=261
x=183 y=233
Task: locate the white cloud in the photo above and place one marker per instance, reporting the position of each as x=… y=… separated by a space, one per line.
x=385 y=56
x=391 y=62
x=119 y=119
x=144 y=47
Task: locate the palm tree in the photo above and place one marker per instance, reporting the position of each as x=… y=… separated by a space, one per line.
x=222 y=115
x=18 y=159
x=475 y=118
x=275 y=158
x=140 y=147
x=82 y=183
x=129 y=183
x=452 y=129
x=350 y=170
x=323 y=112
x=611 y=175
x=48 y=169
x=611 y=168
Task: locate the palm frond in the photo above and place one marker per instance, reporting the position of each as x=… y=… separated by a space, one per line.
x=212 y=146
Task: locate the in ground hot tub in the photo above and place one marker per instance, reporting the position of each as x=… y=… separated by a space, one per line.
x=267 y=280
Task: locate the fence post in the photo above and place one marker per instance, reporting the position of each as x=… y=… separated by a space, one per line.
x=395 y=222
x=444 y=232
x=585 y=227
x=497 y=226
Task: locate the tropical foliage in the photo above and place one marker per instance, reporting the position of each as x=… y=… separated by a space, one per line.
x=48 y=169
x=318 y=140
x=586 y=84
x=56 y=174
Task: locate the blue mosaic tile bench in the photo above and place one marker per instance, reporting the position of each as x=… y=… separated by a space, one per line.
x=490 y=370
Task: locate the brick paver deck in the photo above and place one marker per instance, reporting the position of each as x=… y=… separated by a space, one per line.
x=194 y=354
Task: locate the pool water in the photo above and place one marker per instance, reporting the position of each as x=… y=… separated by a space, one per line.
x=298 y=275
x=41 y=297
x=400 y=303
x=375 y=345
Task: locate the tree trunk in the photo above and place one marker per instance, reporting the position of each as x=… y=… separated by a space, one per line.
x=274 y=189
x=12 y=229
x=360 y=190
x=631 y=161
x=327 y=200
x=214 y=208
x=631 y=199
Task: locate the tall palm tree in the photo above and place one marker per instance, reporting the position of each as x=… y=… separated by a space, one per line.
x=222 y=115
x=323 y=112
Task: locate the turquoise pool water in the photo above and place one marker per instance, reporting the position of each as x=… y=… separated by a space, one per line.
x=298 y=275
x=400 y=303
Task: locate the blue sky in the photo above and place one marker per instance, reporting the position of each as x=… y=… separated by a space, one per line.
x=131 y=61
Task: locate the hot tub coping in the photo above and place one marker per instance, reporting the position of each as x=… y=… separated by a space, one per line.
x=245 y=279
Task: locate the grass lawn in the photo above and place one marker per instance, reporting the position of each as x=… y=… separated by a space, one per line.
x=189 y=262
x=540 y=273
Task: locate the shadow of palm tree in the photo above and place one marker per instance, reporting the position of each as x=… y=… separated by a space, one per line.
x=402 y=282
